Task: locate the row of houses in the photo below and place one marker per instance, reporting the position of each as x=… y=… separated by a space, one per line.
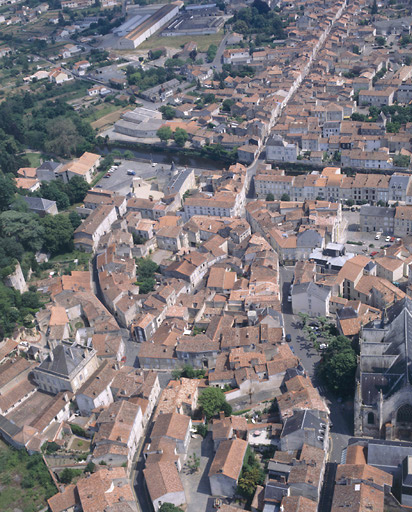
x=331 y=185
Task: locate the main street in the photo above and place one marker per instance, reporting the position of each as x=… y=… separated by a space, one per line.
x=341 y=415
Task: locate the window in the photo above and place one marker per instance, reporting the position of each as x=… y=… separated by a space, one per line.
x=371 y=418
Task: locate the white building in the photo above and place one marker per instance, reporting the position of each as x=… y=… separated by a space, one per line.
x=278 y=150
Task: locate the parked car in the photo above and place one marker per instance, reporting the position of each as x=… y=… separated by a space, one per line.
x=131 y=173
x=388 y=239
x=289 y=298
x=288 y=338
x=378 y=236
x=373 y=253
x=392 y=238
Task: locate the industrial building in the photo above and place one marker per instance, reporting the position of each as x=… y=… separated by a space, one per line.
x=140 y=123
x=147 y=26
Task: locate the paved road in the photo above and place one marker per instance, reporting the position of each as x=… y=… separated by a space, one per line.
x=217 y=61
x=196 y=485
x=341 y=415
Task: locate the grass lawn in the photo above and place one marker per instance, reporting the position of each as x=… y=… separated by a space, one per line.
x=69 y=257
x=80 y=445
x=102 y=110
x=34 y=159
x=203 y=42
x=25 y=482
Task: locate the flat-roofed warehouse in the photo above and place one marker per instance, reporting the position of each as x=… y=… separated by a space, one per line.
x=151 y=25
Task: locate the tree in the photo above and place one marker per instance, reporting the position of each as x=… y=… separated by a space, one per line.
x=261 y=7
x=337 y=155
x=193 y=462
x=180 y=136
x=285 y=197
x=249 y=480
x=211 y=53
x=164 y=133
x=67 y=475
x=304 y=317
x=77 y=189
x=58 y=233
x=55 y=191
x=338 y=366
x=202 y=430
x=270 y=197
x=24 y=228
x=350 y=202
x=227 y=105
x=146 y=269
x=77 y=430
x=90 y=467
x=380 y=40
x=212 y=401
x=374 y=8
x=401 y=160
x=7 y=192
x=62 y=137
x=168 y=112
x=169 y=507
x=75 y=219
x=251 y=475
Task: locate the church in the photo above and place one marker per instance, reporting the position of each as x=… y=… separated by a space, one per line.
x=383 y=396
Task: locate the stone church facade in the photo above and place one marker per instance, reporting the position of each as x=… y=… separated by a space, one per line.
x=383 y=397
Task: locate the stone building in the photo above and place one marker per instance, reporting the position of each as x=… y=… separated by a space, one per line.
x=66 y=368
x=383 y=398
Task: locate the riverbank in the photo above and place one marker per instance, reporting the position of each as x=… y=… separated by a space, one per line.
x=166 y=154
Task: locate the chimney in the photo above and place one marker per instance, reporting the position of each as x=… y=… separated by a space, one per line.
x=221 y=415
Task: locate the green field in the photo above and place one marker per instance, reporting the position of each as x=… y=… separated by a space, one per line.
x=25 y=482
x=101 y=111
x=34 y=159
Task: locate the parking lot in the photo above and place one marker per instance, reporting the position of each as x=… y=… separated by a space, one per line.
x=353 y=234
x=120 y=181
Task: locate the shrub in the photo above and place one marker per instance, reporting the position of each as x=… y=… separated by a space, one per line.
x=78 y=431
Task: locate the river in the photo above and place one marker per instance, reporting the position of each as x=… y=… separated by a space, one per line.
x=166 y=157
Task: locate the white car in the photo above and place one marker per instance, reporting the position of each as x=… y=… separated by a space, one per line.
x=289 y=298
x=378 y=236
x=388 y=239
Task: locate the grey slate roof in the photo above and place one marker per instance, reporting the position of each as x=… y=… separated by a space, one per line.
x=387 y=455
x=301 y=420
x=311 y=289
x=38 y=203
x=49 y=166
x=65 y=360
x=8 y=427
